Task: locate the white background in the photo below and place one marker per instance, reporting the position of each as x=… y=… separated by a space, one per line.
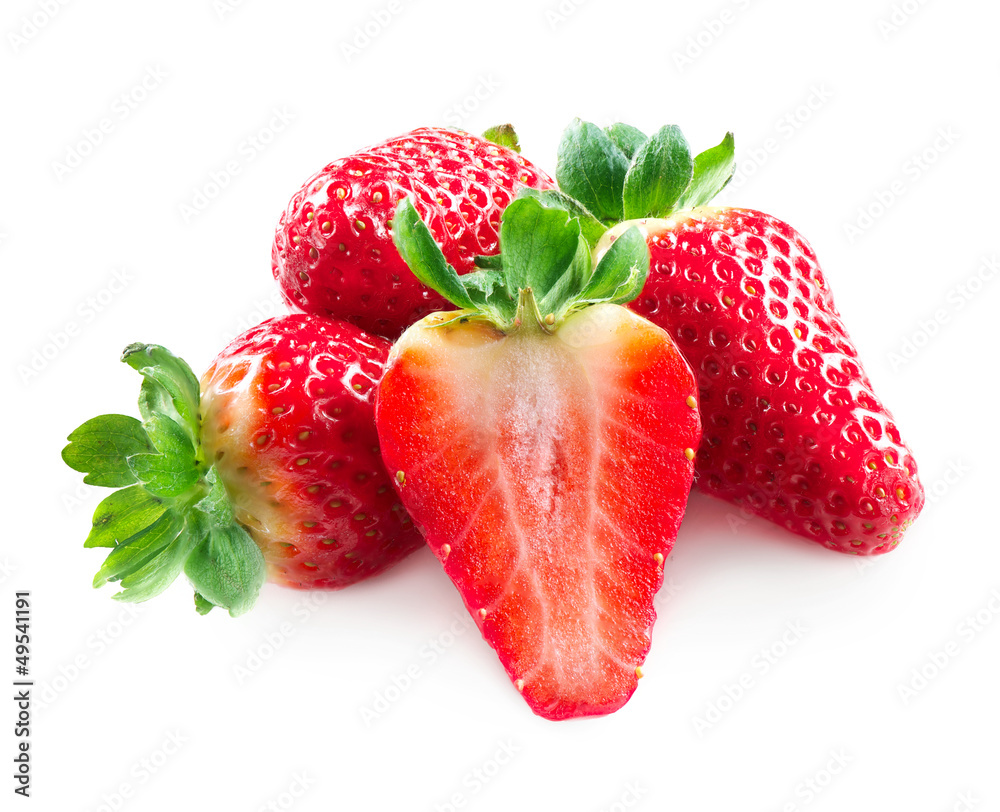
x=833 y=105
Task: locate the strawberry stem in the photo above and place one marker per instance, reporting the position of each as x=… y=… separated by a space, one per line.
x=528 y=317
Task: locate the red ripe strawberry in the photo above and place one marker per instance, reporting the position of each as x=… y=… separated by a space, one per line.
x=288 y=418
x=333 y=252
x=274 y=471
x=793 y=430
x=547 y=458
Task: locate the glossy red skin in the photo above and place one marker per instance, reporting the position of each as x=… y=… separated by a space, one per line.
x=319 y=505
x=517 y=525
x=792 y=430
x=333 y=252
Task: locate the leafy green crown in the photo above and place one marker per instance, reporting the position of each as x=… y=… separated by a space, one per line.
x=544 y=270
x=619 y=173
x=170 y=512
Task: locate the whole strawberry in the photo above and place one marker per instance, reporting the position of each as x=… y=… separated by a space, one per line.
x=542 y=437
x=333 y=252
x=273 y=471
x=288 y=420
x=793 y=430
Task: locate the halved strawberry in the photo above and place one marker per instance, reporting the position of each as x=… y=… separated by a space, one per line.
x=333 y=253
x=542 y=438
x=793 y=430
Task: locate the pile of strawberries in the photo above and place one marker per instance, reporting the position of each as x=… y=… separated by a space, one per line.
x=527 y=375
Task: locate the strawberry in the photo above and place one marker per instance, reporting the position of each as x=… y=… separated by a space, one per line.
x=333 y=253
x=288 y=418
x=274 y=469
x=542 y=438
x=793 y=430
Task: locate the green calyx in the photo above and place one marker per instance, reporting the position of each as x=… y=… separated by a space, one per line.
x=544 y=270
x=503 y=135
x=619 y=173
x=170 y=512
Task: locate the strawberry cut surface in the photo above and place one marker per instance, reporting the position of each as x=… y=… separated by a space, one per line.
x=549 y=474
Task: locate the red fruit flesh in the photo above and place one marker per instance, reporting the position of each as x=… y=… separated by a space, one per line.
x=333 y=253
x=548 y=474
x=288 y=422
x=793 y=431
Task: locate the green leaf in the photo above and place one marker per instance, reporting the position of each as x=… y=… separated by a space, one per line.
x=713 y=169
x=170 y=439
x=481 y=284
x=202 y=606
x=161 y=570
x=591 y=228
x=491 y=262
x=591 y=168
x=136 y=551
x=122 y=515
x=486 y=288
x=503 y=135
x=175 y=469
x=216 y=502
x=621 y=273
x=564 y=290
x=100 y=446
x=418 y=250
x=627 y=138
x=226 y=569
x=164 y=475
x=204 y=540
x=169 y=388
x=660 y=172
x=537 y=244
